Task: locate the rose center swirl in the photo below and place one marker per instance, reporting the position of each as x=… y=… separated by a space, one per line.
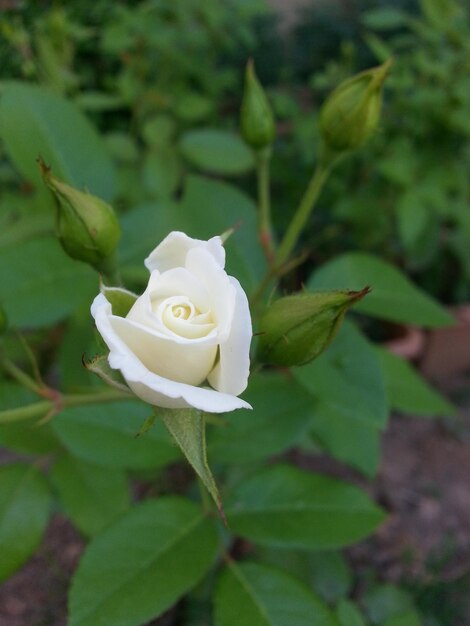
x=180 y=316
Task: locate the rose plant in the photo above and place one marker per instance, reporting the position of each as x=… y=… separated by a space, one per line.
x=175 y=361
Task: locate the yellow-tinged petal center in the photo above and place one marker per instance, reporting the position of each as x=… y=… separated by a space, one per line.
x=179 y=315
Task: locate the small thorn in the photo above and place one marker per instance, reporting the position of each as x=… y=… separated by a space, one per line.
x=358 y=295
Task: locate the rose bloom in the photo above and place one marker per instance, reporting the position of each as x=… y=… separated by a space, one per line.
x=185 y=342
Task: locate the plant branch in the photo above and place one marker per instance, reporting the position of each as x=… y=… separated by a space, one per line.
x=38 y=409
x=59 y=402
x=21 y=377
x=303 y=212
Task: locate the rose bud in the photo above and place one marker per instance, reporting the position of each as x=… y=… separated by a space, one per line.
x=86 y=226
x=185 y=342
x=296 y=329
x=351 y=113
x=256 y=118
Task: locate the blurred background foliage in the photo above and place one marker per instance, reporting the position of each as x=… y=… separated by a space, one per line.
x=158 y=78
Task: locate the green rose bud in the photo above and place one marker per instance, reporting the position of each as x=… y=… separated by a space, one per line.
x=256 y=118
x=351 y=113
x=86 y=226
x=296 y=329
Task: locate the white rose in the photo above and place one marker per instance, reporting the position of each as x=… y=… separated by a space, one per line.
x=190 y=328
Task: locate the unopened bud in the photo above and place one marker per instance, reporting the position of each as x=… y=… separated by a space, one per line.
x=296 y=329
x=256 y=118
x=87 y=227
x=352 y=112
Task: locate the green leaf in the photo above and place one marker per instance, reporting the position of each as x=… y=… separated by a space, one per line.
x=24 y=511
x=136 y=569
x=258 y=595
x=385 y=18
x=77 y=342
x=208 y=208
x=393 y=296
x=347 y=439
x=91 y=495
x=143 y=228
x=413 y=217
x=408 y=391
x=295 y=562
x=326 y=572
x=23 y=216
x=192 y=106
x=40 y=285
x=285 y=506
x=188 y=429
x=211 y=207
x=159 y=131
x=98 y=101
x=216 y=151
x=348 y=614
x=161 y=172
x=408 y=618
x=385 y=601
x=348 y=375
x=352 y=404
x=105 y=434
x=25 y=437
x=36 y=122
x=331 y=575
x=281 y=417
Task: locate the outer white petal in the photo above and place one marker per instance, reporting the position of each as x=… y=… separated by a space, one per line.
x=185 y=361
x=150 y=387
x=230 y=375
x=172 y=251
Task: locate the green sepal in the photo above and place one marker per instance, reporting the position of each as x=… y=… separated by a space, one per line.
x=99 y=365
x=121 y=300
x=188 y=429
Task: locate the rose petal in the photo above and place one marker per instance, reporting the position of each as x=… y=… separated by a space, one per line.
x=222 y=292
x=162 y=286
x=150 y=387
x=172 y=251
x=188 y=361
x=230 y=375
